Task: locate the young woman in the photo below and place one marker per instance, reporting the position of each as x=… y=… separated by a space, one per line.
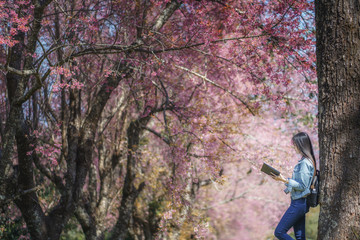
x=299 y=187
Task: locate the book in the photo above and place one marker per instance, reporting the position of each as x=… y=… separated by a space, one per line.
x=269 y=169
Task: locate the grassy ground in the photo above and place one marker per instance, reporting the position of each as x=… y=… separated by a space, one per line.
x=311 y=228
x=311 y=225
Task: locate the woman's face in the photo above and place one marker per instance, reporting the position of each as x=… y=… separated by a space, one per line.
x=296 y=148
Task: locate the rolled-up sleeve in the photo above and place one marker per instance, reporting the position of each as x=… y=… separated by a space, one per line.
x=288 y=187
x=300 y=186
x=303 y=178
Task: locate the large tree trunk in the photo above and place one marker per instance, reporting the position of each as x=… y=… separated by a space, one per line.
x=338 y=68
x=23 y=184
x=130 y=192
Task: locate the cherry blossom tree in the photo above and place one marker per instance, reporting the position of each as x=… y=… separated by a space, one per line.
x=125 y=110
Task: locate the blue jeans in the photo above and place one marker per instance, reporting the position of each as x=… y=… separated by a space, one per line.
x=293 y=217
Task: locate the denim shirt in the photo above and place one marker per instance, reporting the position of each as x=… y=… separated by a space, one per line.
x=299 y=183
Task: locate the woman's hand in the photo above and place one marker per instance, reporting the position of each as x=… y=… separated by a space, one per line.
x=279 y=178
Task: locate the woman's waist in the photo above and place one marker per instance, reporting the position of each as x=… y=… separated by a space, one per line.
x=299 y=200
x=299 y=194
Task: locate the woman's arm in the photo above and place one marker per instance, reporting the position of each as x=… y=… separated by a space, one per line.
x=279 y=178
x=302 y=178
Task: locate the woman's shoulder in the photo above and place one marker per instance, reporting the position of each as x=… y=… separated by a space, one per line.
x=307 y=162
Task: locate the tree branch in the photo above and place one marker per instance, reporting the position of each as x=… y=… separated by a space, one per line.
x=216 y=85
x=5 y=200
x=167 y=141
x=17 y=71
x=223 y=40
x=225 y=201
x=171 y=7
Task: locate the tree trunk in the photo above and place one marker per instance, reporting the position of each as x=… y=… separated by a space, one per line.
x=130 y=192
x=338 y=68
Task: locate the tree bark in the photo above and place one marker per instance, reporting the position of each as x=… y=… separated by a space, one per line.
x=338 y=64
x=80 y=144
x=130 y=192
x=18 y=129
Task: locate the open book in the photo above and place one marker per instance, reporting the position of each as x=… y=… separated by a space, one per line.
x=269 y=169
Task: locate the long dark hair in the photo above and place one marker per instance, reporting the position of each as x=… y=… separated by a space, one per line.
x=303 y=143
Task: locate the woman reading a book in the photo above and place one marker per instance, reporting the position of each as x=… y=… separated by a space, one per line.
x=299 y=187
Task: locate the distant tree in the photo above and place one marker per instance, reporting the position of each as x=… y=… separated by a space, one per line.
x=338 y=64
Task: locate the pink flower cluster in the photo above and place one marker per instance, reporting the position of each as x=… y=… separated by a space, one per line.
x=16 y=15
x=68 y=82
